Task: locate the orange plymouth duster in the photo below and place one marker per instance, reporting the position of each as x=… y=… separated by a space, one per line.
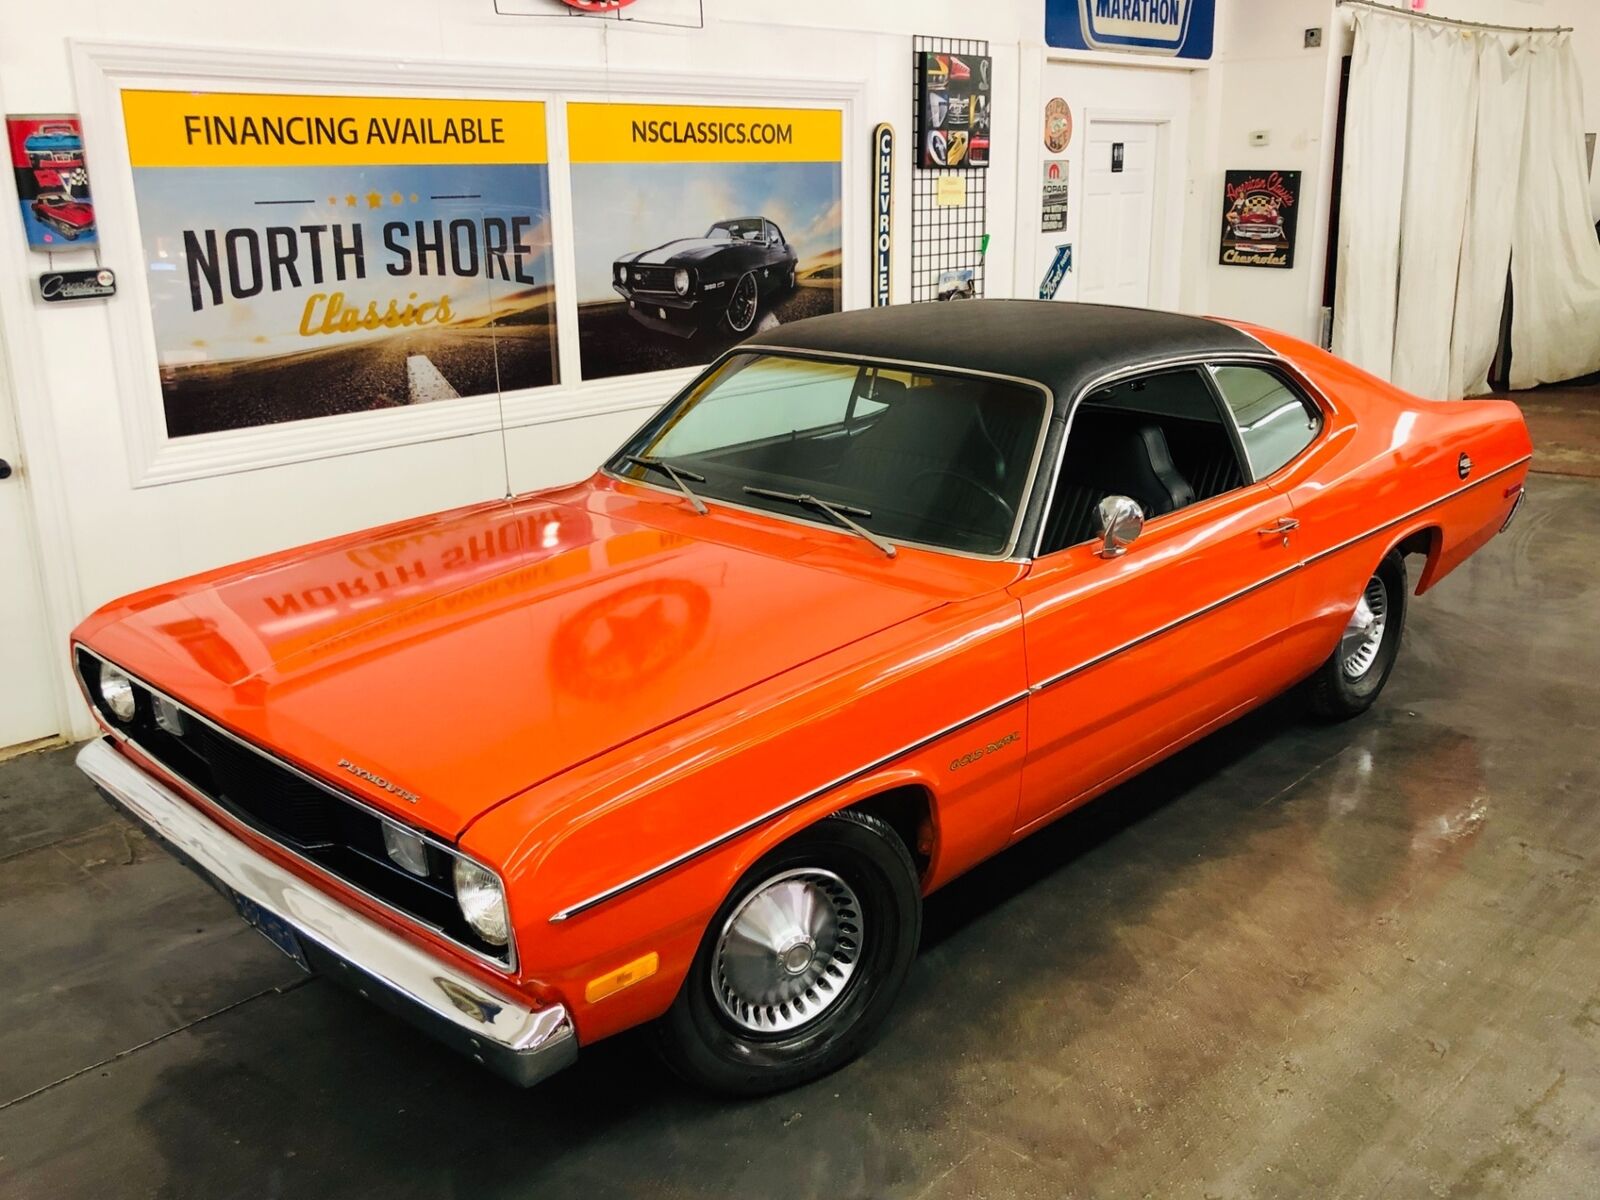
x=687 y=743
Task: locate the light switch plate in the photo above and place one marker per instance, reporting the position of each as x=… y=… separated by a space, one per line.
x=1260 y=137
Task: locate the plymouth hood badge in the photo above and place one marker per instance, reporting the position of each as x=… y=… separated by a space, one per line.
x=378 y=781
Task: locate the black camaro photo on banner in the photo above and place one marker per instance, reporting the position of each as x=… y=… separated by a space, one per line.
x=719 y=280
x=695 y=226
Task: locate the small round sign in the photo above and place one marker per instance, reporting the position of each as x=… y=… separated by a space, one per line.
x=1057 y=125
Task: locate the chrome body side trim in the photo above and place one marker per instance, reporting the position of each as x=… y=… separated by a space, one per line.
x=1269 y=580
x=1418 y=511
x=772 y=814
x=521 y=1042
x=1008 y=554
x=1164 y=629
x=507 y=965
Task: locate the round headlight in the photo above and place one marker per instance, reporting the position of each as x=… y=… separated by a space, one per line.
x=622 y=273
x=680 y=281
x=116 y=689
x=482 y=902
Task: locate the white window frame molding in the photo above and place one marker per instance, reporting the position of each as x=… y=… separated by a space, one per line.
x=104 y=69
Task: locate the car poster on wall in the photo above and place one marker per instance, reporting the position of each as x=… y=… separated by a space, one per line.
x=52 y=182
x=694 y=226
x=1260 y=210
x=314 y=255
x=953 y=93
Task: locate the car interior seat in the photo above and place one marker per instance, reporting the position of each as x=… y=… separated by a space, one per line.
x=1112 y=454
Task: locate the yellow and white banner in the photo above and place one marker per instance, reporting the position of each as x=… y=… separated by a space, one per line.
x=695 y=224
x=693 y=133
x=316 y=255
x=239 y=129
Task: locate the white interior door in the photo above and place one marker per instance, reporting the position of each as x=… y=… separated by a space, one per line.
x=1119 y=212
x=27 y=690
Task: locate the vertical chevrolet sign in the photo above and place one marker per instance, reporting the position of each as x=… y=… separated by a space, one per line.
x=1177 y=27
x=882 y=212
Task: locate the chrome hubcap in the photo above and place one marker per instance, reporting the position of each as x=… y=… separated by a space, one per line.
x=1364 y=634
x=787 y=952
x=742 y=305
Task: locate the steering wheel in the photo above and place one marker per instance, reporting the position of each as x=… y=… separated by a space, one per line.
x=982 y=489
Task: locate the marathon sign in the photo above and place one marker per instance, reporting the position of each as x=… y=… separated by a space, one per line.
x=1181 y=28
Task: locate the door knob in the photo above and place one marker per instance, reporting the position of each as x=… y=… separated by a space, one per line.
x=5 y=469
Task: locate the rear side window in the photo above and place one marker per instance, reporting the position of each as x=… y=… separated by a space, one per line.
x=1275 y=421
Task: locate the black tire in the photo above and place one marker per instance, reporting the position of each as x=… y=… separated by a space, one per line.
x=1338 y=693
x=755 y=312
x=704 y=1044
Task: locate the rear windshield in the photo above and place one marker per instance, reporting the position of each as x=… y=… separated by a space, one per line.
x=936 y=459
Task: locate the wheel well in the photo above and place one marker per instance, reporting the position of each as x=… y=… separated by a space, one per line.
x=1427 y=543
x=909 y=812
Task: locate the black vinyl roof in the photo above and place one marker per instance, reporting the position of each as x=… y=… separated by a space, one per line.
x=1059 y=344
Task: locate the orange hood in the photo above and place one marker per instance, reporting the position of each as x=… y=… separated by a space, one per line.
x=468 y=656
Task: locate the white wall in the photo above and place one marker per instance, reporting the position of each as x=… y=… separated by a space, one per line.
x=1267 y=80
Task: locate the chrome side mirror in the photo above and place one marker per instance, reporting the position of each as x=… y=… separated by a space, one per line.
x=1121 y=521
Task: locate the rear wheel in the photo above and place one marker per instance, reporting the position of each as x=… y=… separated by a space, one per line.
x=1348 y=683
x=802 y=962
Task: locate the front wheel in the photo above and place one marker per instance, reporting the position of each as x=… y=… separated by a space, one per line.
x=1348 y=683
x=802 y=962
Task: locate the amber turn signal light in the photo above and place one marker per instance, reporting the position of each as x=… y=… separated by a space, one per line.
x=624 y=976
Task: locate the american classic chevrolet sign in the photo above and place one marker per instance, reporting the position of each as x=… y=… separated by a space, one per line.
x=1176 y=27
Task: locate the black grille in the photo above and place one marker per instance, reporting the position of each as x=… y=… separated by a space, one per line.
x=341 y=836
x=276 y=799
x=651 y=279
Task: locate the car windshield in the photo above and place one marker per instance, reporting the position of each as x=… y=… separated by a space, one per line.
x=932 y=458
x=746 y=231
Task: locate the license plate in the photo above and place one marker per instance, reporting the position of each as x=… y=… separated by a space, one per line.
x=272 y=927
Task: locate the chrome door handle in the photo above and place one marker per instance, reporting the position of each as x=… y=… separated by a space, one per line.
x=1281 y=526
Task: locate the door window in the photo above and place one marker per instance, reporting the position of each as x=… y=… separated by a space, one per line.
x=1275 y=421
x=1159 y=439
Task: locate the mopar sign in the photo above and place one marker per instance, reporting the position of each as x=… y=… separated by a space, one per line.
x=1178 y=27
x=882 y=211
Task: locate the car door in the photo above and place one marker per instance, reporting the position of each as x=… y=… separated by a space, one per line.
x=1131 y=656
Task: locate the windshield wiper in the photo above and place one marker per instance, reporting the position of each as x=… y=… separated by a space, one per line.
x=676 y=474
x=836 y=511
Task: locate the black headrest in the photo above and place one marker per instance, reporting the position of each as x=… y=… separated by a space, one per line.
x=1137 y=463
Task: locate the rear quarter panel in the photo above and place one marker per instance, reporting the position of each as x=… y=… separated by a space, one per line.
x=1385 y=472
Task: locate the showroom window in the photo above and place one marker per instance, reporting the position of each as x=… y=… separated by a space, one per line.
x=1159 y=439
x=1275 y=421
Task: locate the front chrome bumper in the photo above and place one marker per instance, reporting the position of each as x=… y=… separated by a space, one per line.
x=521 y=1043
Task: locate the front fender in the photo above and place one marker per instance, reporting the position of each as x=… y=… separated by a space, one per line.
x=663 y=831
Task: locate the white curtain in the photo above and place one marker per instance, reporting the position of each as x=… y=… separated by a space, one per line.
x=1373 y=188
x=1491 y=214
x=1463 y=155
x=1433 y=211
x=1555 y=258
